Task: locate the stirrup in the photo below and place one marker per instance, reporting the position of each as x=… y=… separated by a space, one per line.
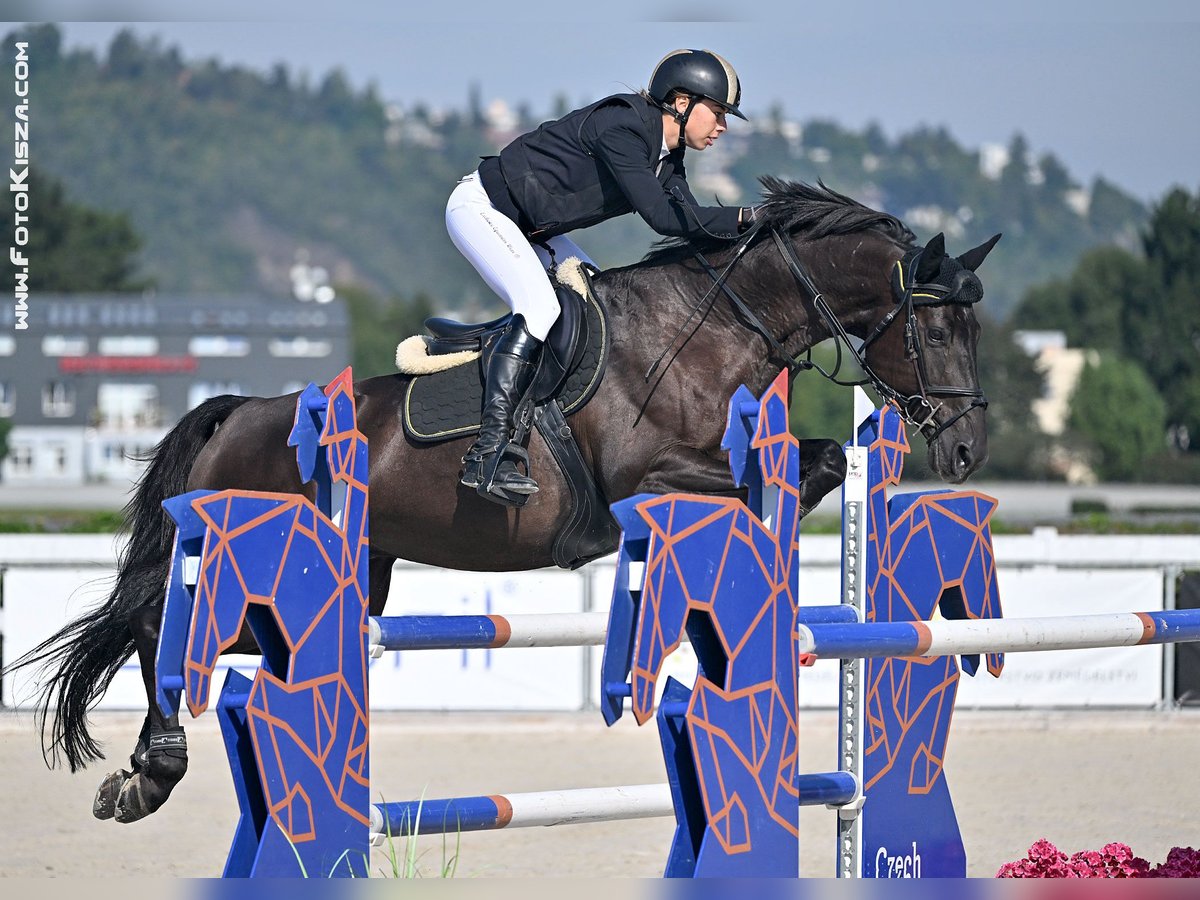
x=473 y=471
x=499 y=491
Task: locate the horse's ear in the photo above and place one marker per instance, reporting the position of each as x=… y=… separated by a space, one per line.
x=972 y=259
x=931 y=259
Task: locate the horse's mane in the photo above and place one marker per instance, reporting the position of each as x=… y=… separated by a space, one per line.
x=789 y=205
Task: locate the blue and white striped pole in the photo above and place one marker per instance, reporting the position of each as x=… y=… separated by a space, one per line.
x=569 y=807
x=978 y=636
x=466 y=632
x=531 y=630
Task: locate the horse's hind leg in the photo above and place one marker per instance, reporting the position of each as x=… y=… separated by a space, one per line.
x=159 y=760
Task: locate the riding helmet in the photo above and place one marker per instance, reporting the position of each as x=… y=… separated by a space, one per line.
x=697 y=73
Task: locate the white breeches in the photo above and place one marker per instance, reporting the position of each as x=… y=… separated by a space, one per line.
x=511 y=266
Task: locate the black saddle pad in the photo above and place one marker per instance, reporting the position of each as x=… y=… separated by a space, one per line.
x=446 y=405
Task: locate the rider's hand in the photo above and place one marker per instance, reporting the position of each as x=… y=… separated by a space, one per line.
x=746 y=217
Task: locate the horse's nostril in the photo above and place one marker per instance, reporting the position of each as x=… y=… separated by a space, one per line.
x=963 y=457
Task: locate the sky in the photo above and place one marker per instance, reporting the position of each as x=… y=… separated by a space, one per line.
x=1109 y=87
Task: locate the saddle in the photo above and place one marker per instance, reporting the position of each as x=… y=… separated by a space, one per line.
x=444 y=398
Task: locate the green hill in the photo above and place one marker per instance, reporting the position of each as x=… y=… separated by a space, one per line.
x=226 y=172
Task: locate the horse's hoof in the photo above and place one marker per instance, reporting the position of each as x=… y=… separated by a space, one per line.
x=136 y=799
x=105 y=804
x=148 y=789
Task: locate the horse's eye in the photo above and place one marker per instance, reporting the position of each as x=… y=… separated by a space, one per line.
x=936 y=336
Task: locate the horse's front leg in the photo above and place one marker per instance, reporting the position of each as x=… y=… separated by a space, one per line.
x=381 y=580
x=159 y=760
x=822 y=468
x=688 y=470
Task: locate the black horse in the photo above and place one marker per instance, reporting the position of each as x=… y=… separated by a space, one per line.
x=738 y=313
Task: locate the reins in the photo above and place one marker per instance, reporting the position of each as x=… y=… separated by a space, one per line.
x=718 y=282
x=778 y=352
x=919 y=409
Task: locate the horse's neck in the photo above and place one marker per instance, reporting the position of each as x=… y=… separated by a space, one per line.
x=651 y=304
x=853 y=274
x=850 y=271
x=659 y=312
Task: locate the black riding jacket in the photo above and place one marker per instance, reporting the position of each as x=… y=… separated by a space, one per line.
x=593 y=164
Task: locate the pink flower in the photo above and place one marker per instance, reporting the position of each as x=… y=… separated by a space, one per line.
x=1044 y=850
x=1118 y=851
x=1043 y=861
x=1089 y=862
x=1182 y=862
x=1115 y=860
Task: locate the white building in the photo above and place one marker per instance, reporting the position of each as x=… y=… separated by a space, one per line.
x=1060 y=367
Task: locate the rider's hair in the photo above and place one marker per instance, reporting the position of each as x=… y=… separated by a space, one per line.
x=668 y=105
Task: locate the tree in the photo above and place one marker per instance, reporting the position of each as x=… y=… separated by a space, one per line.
x=1111 y=210
x=1164 y=331
x=376 y=327
x=5 y=449
x=45 y=39
x=1090 y=305
x=1118 y=416
x=1016 y=446
x=1173 y=236
x=820 y=408
x=336 y=101
x=1145 y=308
x=75 y=248
x=1016 y=195
x=1055 y=177
x=875 y=139
x=129 y=58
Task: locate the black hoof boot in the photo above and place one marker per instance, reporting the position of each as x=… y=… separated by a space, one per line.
x=152 y=782
x=105 y=804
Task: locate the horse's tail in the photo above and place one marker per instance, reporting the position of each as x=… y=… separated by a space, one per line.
x=80 y=660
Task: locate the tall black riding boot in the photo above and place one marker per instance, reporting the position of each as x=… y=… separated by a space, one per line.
x=510 y=371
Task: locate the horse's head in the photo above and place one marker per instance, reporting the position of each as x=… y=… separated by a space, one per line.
x=912 y=307
x=921 y=353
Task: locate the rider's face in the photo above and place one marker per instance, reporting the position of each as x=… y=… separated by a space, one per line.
x=705 y=124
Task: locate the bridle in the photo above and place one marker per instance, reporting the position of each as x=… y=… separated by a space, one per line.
x=919 y=410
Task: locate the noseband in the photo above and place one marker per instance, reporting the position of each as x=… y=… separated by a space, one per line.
x=919 y=410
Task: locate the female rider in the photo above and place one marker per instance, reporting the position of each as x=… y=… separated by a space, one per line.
x=621 y=154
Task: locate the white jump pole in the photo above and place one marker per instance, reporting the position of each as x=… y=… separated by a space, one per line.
x=977 y=636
